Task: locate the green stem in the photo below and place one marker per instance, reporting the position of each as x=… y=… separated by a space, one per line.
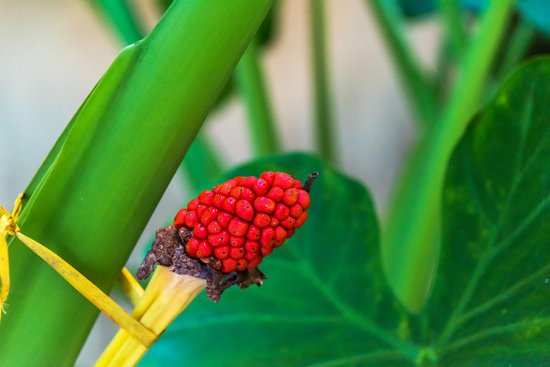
x=516 y=48
x=122 y=18
x=416 y=84
x=202 y=162
x=454 y=22
x=410 y=249
x=264 y=137
x=322 y=102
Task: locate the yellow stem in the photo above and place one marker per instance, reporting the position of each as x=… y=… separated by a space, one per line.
x=166 y=296
x=130 y=286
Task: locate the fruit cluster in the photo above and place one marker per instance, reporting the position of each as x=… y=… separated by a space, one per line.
x=239 y=222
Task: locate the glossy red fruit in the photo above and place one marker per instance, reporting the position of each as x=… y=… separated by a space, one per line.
x=264 y=205
x=244 y=210
x=222 y=252
x=237 y=227
x=239 y=222
x=179 y=219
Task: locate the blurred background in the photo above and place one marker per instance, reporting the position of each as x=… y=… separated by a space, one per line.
x=52 y=54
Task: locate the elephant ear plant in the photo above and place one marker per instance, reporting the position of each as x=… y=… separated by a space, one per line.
x=458 y=275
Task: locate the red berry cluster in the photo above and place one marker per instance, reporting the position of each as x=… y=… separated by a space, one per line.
x=242 y=220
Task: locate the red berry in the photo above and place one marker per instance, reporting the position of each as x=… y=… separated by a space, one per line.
x=266 y=250
x=255 y=262
x=276 y=194
x=214 y=227
x=219 y=239
x=267 y=236
x=237 y=227
x=236 y=252
x=296 y=211
x=290 y=233
x=253 y=233
x=289 y=223
x=242 y=264
x=191 y=219
x=226 y=187
x=200 y=210
x=290 y=197
x=228 y=204
x=222 y=252
x=262 y=220
x=224 y=218
x=191 y=247
x=251 y=246
x=236 y=241
x=280 y=233
x=204 y=249
x=217 y=201
x=236 y=192
x=264 y=205
x=268 y=176
x=274 y=222
x=192 y=205
x=200 y=231
x=206 y=197
x=281 y=211
x=261 y=186
x=209 y=215
x=300 y=221
x=229 y=265
x=244 y=210
x=179 y=219
x=248 y=195
x=304 y=199
x=283 y=180
x=251 y=255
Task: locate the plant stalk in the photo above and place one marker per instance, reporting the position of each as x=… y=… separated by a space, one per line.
x=322 y=100
x=166 y=296
x=410 y=244
x=263 y=135
x=415 y=82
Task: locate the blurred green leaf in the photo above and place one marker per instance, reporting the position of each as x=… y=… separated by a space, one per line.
x=326 y=302
x=491 y=298
x=95 y=192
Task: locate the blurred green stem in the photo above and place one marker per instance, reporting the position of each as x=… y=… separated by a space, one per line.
x=322 y=102
x=454 y=23
x=410 y=246
x=416 y=84
x=263 y=135
x=516 y=48
x=122 y=18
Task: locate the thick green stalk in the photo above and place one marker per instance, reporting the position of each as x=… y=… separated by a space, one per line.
x=202 y=163
x=454 y=23
x=322 y=101
x=410 y=246
x=92 y=201
x=416 y=84
x=263 y=134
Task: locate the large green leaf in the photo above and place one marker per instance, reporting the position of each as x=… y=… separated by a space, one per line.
x=491 y=299
x=95 y=192
x=326 y=302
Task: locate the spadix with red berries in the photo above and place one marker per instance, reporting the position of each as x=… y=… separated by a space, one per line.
x=239 y=222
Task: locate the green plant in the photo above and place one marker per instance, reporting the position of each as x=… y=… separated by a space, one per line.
x=458 y=276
